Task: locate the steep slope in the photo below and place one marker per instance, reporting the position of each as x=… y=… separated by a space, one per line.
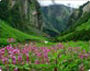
x=8 y=32
x=23 y=15
x=81 y=32
x=78 y=17
x=79 y=25
x=55 y=18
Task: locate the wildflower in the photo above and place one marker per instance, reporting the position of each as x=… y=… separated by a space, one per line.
x=27 y=57
x=81 y=67
x=86 y=55
x=60 y=46
x=10 y=40
x=14 y=59
x=20 y=58
x=16 y=51
x=4 y=60
x=16 y=69
x=43 y=61
x=24 y=51
x=39 y=55
x=45 y=42
x=48 y=50
x=0 y=68
x=44 y=50
x=10 y=53
x=2 y=51
x=37 y=62
x=81 y=56
x=70 y=48
x=9 y=47
x=45 y=55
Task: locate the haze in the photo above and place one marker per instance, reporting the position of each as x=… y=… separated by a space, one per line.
x=72 y=3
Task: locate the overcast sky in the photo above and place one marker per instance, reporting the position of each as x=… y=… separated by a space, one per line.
x=73 y=3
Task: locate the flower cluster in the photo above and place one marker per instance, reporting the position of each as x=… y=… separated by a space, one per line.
x=10 y=40
x=41 y=55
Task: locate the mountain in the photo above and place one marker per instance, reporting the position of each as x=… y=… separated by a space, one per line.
x=7 y=31
x=55 y=18
x=78 y=17
x=81 y=32
x=23 y=15
x=78 y=24
x=21 y=20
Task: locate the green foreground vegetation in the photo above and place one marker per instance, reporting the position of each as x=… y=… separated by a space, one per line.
x=8 y=32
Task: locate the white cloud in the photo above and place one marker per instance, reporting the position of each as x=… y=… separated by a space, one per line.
x=73 y=3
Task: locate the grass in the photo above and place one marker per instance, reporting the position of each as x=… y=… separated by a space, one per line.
x=81 y=32
x=84 y=44
x=8 y=32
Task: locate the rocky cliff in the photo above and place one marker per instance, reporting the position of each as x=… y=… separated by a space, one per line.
x=22 y=14
x=78 y=17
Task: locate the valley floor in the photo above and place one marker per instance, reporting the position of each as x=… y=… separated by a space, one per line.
x=41 y=56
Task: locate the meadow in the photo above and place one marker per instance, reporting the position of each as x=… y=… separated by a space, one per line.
x=44 y=38
x=65 y=56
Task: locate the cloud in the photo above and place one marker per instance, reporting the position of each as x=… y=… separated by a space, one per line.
x=73 y=3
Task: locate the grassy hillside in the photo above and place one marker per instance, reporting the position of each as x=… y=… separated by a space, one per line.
x=16 y=17
x=81 y=32
x=8 y=32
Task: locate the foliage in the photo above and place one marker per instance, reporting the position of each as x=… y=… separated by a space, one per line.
x=74 y=57
x=55 y=18
x=17 y=18
x=81 y=32
x=8 y=32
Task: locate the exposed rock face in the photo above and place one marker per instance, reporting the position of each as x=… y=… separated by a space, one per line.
x=79 y=16
x=23 y=14
x=30 y=11
x=86 y=8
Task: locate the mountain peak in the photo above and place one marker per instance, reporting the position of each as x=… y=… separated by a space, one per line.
x=86 y=7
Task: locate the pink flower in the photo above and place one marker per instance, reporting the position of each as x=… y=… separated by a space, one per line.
x=86 y=55
x=10 y=52
x=24 y=51
x=4 y=60
x=9 y=48
x=2 y=51
x=10 y=40
x=0 y=68
x=48 y=50
x=0 y=56
x=14 y=59
x=81 y=67
x=16 y=69
x=39 y=55
x=16 y=51
x=60 y=46
x=70 y=48
x=45 y=55
x=19 y=57
x=81 y=56
x=27 y=57
x=37 y=62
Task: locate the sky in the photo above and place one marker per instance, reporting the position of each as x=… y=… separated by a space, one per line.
x=73 y=3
